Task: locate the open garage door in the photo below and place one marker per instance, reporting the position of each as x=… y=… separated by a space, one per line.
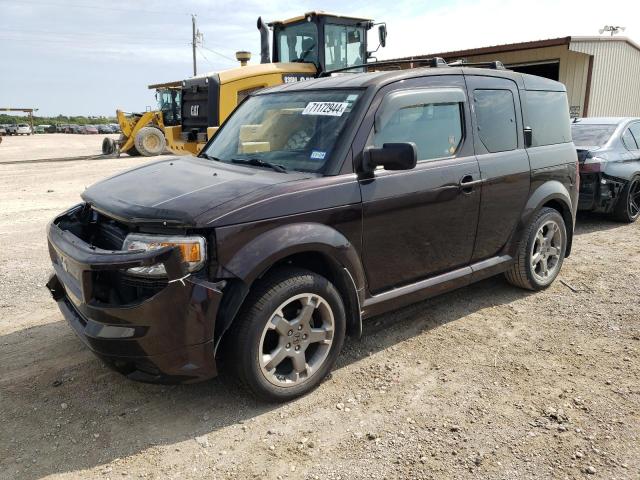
x=546 y=69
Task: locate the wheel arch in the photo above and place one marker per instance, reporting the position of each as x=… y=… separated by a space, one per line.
x=551 y=194
x=314 y=247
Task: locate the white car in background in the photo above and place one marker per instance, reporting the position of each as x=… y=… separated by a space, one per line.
x=23 y=129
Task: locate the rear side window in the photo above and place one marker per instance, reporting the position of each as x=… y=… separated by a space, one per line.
x=635 y=130
x=435 y=128
x=496 y=116
x=547 y=114
x=629 y=140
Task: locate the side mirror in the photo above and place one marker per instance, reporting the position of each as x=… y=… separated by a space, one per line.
x=382 y=35
x=392 y=156
x=528 y=137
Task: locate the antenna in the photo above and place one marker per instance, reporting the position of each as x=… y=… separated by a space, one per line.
x=614 y=30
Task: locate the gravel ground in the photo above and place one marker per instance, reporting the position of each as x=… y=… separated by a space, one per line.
x=486 y=382
x=50 y=145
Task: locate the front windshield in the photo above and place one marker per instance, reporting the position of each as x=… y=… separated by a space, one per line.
x=169 y=103
x=298 y=43
x=294 y=130
x=344 y=46
x=586 y=135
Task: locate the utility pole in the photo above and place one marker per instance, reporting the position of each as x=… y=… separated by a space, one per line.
x=193 y=42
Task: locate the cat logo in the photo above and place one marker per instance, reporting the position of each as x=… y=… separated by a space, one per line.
x=194 y=110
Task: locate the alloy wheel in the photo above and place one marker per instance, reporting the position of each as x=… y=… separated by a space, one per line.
x=634 y=199
x=296 y=340
x=546 y=251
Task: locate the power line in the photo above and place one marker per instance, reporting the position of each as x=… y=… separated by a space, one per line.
x=219 y=54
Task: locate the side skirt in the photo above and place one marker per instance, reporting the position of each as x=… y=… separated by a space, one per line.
x=408 y=294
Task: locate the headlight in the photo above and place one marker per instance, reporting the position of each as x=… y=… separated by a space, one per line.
x=193 y=250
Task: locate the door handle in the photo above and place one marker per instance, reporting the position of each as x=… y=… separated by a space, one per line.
x=467 y=183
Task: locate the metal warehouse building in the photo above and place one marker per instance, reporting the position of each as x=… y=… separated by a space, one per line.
x=602 y=74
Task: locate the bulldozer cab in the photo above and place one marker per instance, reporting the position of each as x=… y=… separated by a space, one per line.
x=326 y=40
x=170 y=105
x=303 y=47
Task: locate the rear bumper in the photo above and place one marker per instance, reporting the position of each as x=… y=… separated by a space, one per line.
x=165 y=338
x=599 y=192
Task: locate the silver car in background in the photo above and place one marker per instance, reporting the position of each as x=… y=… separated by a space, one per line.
x=609 y=157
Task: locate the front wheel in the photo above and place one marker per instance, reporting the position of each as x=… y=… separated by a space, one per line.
x=149 y=141
x=289 y=334
x=541 y=252
x=627 y=208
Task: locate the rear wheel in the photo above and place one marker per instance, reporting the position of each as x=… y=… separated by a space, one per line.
x=627 y=208
x=541 y=252
x=289 y=334
x=150 y=141
x=108 y=146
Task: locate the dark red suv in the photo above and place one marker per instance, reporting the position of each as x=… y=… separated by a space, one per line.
x=316 y=206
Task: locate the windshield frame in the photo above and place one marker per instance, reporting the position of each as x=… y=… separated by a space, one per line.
x=337 y=163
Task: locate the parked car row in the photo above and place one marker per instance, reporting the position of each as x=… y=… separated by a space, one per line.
x=88 y=129
x=25 y=129
x=16 y=129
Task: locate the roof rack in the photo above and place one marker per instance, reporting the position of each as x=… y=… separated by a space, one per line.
x=495 y=65
x=435 y=62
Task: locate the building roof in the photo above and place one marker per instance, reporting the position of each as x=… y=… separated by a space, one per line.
x=511 y=47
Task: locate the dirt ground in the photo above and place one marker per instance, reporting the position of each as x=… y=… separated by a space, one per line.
x=50 y=145
x=486 y=382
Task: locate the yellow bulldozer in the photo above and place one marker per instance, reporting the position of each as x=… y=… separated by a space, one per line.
x=192 y=110
x=143 y=133
x=303 y=47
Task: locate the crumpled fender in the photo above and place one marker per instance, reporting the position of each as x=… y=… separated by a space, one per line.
x=625 y=170
x=254 y=258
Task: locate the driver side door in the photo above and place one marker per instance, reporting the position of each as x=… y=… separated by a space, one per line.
x=421 y=222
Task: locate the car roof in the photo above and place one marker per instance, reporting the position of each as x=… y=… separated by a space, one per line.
x=380 y=78
x=603 y=120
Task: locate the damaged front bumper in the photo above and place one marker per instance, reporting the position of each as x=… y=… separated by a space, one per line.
x=166 y=336
x=599 y=192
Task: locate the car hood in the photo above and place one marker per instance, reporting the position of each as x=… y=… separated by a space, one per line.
x=176 y=190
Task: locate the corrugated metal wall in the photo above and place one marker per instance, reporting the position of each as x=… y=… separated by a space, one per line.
x=573 y=73
x=615 y=81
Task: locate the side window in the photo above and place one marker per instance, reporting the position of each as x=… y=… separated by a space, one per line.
x=547 y=113
x=628 y=140
x=430 y=117
x=496 y=116
x=635 y=131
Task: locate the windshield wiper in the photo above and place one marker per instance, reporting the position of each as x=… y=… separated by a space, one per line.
x=209 y=157
x=259 y=163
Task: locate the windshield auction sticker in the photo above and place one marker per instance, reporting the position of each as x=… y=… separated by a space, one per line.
x=333 y=109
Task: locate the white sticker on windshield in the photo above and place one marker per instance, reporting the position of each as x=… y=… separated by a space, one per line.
x=333 y=109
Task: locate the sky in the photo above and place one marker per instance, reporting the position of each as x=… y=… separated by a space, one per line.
x=88 y=57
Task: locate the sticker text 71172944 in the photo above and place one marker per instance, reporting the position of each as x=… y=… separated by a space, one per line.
x=333 y=109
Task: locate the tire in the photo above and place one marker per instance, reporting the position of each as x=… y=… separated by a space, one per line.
x=627 y=208
x=302 y=353
x=108 y=146
x=132 y=152
x=549 y=246
x=150 y=141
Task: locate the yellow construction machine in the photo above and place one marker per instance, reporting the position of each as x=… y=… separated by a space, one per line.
x=144 y=133
x=303 y=47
